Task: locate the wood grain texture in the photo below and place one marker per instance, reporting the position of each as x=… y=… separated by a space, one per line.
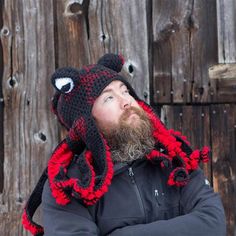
x=226 y=22
x=223 y=71
x=184 y=46
x=223 y=135
x=30 y=131
x=71 y=33
x=224 y=78
x=123 y=27
x=1 y=107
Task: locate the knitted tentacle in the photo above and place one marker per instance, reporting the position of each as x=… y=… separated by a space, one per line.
x=99 y=154
x=163 y=135
x=182 y=158
x=60 y=184
x=180 y=135
x=205 y=154
x=158 y=157
x=178 y=177
x=31 y=226
x=31 y=206
x=102 y=188
x=57 y=165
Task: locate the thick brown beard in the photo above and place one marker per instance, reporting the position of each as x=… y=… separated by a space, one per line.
x=130 y=142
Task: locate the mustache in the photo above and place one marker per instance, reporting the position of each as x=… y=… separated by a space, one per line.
x=132 y=110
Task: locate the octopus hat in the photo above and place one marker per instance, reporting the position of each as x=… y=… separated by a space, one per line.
x=76 y=92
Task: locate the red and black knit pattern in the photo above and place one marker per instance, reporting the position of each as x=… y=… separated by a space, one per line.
x=179 y=156
x=72 y=103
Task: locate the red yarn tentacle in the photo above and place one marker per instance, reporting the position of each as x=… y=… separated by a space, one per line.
x=195 y=159
x=93 y=196
x=31 y=226
x=205 y=154
x=61 y=158
x=154 y=154
x=163 y=135
x=59 y=161
x=84 y=192
x=178 y=172
x=179 y=134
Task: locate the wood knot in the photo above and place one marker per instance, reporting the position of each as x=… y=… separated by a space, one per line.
x=40 y=136
x=5 y=31
x=74 y=7
x=12 y=82
x=191 y=22
x=129 y=68
x=167 y=30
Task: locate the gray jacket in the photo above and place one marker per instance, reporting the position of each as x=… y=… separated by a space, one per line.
x=139 y=202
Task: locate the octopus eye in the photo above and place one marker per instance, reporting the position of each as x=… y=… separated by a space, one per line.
x=64 y=85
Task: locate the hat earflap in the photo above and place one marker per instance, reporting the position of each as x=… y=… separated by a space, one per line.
x=112 y=61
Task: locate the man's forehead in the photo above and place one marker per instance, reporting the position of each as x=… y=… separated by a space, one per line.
x=113 y=85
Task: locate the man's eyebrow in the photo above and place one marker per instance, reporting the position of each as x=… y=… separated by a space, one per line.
x=111 y=90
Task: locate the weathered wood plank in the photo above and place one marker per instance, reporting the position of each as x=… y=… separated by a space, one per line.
x=115 y=26
x=226 y=25
x=223 y=134
x=194 y=123
x=1 y=107
x=184 y=47
x=30 y=131
x=71 y=33
x=223 y=71
x=223 y=76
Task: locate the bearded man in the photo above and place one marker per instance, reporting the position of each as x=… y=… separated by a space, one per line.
x=119 y=171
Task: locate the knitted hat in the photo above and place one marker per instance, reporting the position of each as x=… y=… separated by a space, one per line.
x=76 y=92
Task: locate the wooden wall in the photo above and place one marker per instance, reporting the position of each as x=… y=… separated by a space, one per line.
x=180 y=57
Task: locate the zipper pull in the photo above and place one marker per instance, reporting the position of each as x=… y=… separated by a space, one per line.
x=156 y=194
x=131 y=174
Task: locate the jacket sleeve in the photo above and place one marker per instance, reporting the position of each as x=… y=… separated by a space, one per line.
x=202 y=210
x=71 y=220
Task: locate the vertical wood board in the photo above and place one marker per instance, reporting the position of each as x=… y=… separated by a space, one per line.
x=226 y=22
x=122 y=27
x=184 y=47
x=223 y=135
x=30 y=132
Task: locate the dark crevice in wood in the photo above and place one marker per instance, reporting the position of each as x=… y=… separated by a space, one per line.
x=171 y=27
x=1 y=104
x=85 y=7
x=55 y=32
x=191 y=67
x=150 y=49
x=102 y=24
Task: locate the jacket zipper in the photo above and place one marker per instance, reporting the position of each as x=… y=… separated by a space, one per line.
x=131 y=175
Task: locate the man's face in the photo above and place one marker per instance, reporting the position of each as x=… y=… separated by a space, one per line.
x=113 y=103
x=124 y=124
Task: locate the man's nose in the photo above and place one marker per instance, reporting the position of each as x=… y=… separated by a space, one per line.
x=125 y=103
